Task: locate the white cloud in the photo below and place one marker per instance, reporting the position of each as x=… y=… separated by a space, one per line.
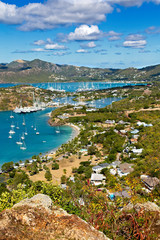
x=38 y=50
x=135 y=44
x=153 y=30
x=135 y=37
x=81 y=51
x=113 y=36
x=85 y=32
x=89 y=45
x=54 y=46
x=39 y=42
x=131 y=3
x=53 y=13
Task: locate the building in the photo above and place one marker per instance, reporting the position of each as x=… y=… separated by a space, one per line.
x=125 y=169
x=98 y=168
x=150 y=182
x=110 y=121
x=97 y=179
x=137 y=151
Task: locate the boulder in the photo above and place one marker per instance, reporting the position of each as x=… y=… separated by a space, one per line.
x=38 y=219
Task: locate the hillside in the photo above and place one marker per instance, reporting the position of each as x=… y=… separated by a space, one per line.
x=41 y=71
x=37 y=218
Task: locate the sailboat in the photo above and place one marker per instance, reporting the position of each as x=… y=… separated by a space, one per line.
x=10 y=136
x=58 y=131
x=22 y=136
x=19 y=142
x=11 y=116
x=12 y=131
x=23 y=146
x=12 y=125
x=37 y=133
x=23 y=122
x=17 y=126
x=26 y=133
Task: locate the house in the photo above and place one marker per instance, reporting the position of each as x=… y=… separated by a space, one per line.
x=113 y=171
x=150 y=182
x=123 y=131
x=144 y=124
x=135 y=131
x=137 y=151
x=97 y=179
x=98 y=168
x=125 y=169
x=110 y=121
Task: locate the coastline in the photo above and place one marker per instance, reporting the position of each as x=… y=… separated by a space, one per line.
x=75 y=133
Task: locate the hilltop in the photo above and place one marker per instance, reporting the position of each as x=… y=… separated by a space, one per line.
x=42 y=71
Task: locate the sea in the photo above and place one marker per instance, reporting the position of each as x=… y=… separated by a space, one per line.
x=49 y=138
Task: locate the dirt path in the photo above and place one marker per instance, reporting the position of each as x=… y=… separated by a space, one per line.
x=142 y=110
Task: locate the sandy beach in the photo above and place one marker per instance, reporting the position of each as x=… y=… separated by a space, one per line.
x=66 y=163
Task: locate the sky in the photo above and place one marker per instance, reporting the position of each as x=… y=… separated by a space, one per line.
x=94 y=33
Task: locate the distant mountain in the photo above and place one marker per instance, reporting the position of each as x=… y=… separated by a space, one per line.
x=41 y=71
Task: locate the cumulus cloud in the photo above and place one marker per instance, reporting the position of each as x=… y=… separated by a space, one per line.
x=135 y=37
x=39 y=42
x=85 y=33
x=38 y=50
x=53 y=13
x=131 y=3
x=89 y=45
x=81 y=51
x=135 y=44
x=54 y=46
x=113 y=36
x=153 y=30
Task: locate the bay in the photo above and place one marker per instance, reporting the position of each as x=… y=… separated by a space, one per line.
x=47 y=140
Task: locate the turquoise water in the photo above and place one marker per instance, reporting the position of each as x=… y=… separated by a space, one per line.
x=47 y=140
x=74 y=86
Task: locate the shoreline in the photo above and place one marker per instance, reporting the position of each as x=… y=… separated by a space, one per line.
x=76 y=131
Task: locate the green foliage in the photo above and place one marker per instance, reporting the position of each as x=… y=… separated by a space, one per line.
x=7 y=167
x=48 y=175
x=92 y=150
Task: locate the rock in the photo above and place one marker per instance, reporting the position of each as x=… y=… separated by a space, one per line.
x=38 y=219
x=37 y=201
x=147 y=206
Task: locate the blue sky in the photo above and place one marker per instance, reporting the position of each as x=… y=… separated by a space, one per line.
x=95 y=33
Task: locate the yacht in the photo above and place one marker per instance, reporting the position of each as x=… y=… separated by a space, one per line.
x=10 y=136
x=12 y=125
x=23 y=147
x=58 y=131
x=26 y=133
x=19 y=142
x=22 y=136
x=11 y=116
x=23 y=122
x=12 y=131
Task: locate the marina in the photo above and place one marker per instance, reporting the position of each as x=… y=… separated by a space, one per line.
x=30 y=134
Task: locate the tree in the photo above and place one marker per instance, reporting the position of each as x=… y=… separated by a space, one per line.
x=48 y=175
x=92 y=150
x=7 y=167
x=55 y=166
x=63 y=179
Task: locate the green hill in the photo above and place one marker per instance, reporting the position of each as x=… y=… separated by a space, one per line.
x=42 y=71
